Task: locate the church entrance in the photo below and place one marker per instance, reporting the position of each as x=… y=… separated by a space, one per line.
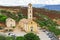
x=31 y=29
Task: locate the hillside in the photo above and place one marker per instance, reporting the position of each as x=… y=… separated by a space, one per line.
x=43 y=17
x=15 y=9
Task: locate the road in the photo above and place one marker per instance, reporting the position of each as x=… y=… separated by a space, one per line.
x=43 y=35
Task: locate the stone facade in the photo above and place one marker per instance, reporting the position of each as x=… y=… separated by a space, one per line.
x=10 y=22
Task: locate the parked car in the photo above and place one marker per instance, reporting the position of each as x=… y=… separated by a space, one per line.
x=10 y=34
x=50 y=35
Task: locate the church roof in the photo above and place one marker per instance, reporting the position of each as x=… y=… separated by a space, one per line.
x=24 y=20
x=9 y=19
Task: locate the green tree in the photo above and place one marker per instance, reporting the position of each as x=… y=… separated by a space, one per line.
x=31 y=36
x=2 y=18
x=20 y=38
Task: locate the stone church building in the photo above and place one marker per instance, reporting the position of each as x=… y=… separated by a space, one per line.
x=10 y=22
x=28 y=24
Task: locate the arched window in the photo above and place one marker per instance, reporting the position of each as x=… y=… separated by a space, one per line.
x=30 y=15
x=11 y=25
x=31 y=22
x=30 y=11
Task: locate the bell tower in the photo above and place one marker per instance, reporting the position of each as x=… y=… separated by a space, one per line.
x=30 y=13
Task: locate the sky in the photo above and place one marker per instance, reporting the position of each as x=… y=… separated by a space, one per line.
x=25 y=2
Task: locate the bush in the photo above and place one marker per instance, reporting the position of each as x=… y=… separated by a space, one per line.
x=31 y=36
x=2 y=18
x=20 y=38
x=9 y=38
x=2 y=37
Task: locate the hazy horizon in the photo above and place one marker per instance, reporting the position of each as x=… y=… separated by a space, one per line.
x=25 y=2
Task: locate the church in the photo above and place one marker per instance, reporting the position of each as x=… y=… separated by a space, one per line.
x=28 y=25
x=10 y=22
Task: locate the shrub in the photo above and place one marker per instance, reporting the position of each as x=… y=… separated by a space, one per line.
x=9 y=38
x=20 y=38
x=31 y=36
x=2 y=37
x=2 y=18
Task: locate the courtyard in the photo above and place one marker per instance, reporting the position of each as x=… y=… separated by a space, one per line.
x=42 y=35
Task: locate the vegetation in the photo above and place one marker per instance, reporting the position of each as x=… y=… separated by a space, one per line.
x=20 y=16
x=14 y=16
x=2 y=37
x=9 y=38
x=2 y=18
x=29 y=36
x=20 y=38
x=47 y=22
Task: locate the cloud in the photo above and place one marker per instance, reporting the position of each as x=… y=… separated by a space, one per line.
x=50 y=2
x=25 y=2
x=9 y=2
